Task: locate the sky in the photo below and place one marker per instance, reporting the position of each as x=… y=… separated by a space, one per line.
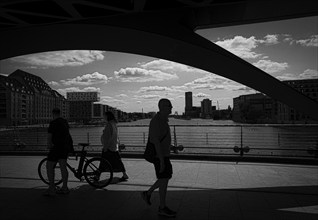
x=285 y=49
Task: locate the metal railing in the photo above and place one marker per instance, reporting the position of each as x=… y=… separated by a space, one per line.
x=266 y=141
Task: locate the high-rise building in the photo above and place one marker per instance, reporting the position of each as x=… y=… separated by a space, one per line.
x=188 y=103
x=206 y=108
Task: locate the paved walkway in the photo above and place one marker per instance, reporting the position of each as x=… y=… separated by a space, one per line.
x=198 y=190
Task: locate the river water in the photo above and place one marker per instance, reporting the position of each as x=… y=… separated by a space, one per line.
x=196 y=135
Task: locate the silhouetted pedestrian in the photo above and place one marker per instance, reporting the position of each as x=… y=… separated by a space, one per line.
x=159 y=135
x=110 y=144
x=60 y=144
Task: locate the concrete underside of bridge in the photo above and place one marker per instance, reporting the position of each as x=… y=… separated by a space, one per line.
x=168 y=35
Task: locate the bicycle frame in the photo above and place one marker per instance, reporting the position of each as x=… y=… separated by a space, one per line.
x=78 y=173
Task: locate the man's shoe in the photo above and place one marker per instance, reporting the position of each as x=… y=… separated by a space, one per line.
x=146 y=197
x=123 y=178
x=63 y=191
x=166 y=212
x=49 y=192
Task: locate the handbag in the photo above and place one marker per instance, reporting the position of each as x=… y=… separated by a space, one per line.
x=150 y=151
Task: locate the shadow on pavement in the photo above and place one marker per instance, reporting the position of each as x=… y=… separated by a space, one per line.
x=85 y=202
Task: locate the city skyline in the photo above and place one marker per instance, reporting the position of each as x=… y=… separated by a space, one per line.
x=284 y=49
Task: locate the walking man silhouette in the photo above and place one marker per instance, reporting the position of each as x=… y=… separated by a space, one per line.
x=159 y=135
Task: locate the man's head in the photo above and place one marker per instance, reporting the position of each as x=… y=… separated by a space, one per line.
x=56 y=112
x=165 y=106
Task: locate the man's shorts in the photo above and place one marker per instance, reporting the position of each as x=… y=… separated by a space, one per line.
x=167 y=173
x=56 y=154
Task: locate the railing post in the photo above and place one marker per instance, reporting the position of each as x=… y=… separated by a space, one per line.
x=175 y=136
x=144 y=137
x=37 y=136
x=87 y=137
x=241 y=151
x=207 y=138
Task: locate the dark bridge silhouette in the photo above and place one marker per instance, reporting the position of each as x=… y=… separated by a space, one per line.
x=157 y=28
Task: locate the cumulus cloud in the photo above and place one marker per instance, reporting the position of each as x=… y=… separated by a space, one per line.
x=307 y=74
x=244 y=47
x=201 y=95
x=148 y=96
x=270 y=66
x=108 y=100
x=213 y=82
x=87 y=79
x=270 y=39
x=122 y=95
x=159 y=89
x=287 y=38
x=53 y=83
x=134 y=74
x=310 y=42
x=60 y=58
x=240 y=46
x=169 y=66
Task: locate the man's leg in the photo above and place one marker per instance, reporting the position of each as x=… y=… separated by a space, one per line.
x=64 y=173
x=50 y=175
x=163 y=185
x=50 y=172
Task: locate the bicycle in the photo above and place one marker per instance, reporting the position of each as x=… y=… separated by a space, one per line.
x=97 y=171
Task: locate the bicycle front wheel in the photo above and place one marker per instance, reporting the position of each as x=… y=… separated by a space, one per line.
x=98 y=172
x=42 y=171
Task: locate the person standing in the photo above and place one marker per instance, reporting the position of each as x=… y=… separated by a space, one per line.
x=110 y=144
x=159 y=135
x=60 y=144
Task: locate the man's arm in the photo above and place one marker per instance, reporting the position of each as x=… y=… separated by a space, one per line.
x=154 y=132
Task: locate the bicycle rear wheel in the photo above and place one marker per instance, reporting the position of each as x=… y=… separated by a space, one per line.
x=42 y=171
x=98 y=172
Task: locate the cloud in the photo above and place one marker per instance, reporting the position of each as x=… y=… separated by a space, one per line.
x=85 y=80
x=108 y=100
x=213 y=82
x=122 y=95
x=287 y=38
x=270 y=39
x=310 y=42
x=240 y=46
x=287 y=76
x=243 y=47
x=201 y=95
x=148 y=96
x=60 y=58
x=169 y=66
x=270 y=66
x=134 y=74
x=159 y=89
x=307 y=74
x=53 y=83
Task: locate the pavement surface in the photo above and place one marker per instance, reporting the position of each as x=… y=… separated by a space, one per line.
x=198 y=190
